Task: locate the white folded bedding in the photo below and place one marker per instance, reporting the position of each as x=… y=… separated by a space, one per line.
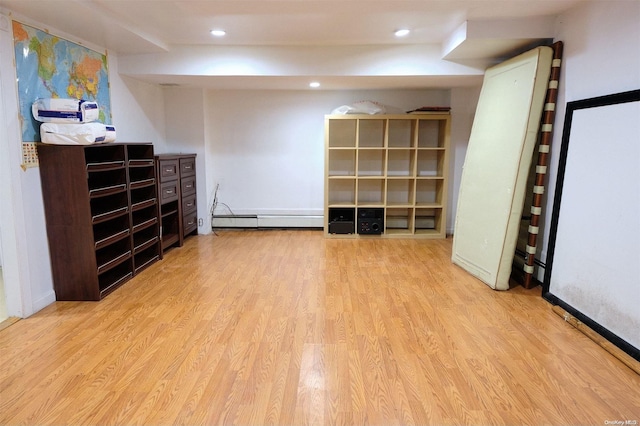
x=111 y=134
x=62 y=110
x=73 y=134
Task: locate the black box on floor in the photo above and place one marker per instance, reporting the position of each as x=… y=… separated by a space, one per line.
x=342 y=220
x=341 y=227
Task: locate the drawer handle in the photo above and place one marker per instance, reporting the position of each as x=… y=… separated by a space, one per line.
x=187 y=167
x=189 y=204
x=169 y=170
x=168 y=191
x=191 y=222
x=189 y=185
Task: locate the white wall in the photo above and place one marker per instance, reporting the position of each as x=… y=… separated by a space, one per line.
x=601 y=57
x=268 y=146
x=463 y=110
x=186 y=123
x=27 y=275
x=138 y=110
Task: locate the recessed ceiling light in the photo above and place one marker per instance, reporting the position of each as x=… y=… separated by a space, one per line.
x=218 y=33
x=314 y=84
x=402 y=33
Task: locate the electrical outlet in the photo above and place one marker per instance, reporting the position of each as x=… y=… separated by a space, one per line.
x=200 y=222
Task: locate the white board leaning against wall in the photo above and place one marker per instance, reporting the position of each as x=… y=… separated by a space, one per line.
x=594 y=244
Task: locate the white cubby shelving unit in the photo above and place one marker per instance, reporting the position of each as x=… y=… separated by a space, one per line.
x=393 y=165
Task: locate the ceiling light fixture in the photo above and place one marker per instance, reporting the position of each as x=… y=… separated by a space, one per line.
x=402 y=33
x=218 y=33
x=314 y=84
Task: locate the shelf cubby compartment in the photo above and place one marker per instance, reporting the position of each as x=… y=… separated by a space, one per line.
x=370 y=192
x=111 y=279
x=342 y=214
x=400 y=192
x=371 y=133
x=108 y=232
x=431 y=133
x=429 y=192
x=430 y=162
x=145 y=238
x=109 y=207
x=104 y=157
x=342 y=192
x=371 y=162
x=145 y=257
x=140 y=155
x=112 y=255
x=428 y=221
x=342 y=133
x=170 y=224
x=146 y=248
x=141 y=176
x=144 y=218
x=170 y=209
x=143 y=197
x=401 y=133
x=401 y=162
x=399 y=221
x=342 y=162
x=107 y=181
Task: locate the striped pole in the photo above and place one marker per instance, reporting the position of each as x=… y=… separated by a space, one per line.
x=546 y=131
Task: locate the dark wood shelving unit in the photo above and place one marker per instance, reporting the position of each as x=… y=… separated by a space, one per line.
x=101 y=209
x=143 y=198
x=176 y=177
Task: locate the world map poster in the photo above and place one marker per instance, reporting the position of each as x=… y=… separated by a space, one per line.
x=51 y=67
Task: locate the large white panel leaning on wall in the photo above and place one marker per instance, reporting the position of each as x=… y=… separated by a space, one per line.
x=494 y=176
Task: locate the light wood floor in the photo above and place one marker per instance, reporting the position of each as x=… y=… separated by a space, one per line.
x=286 y=327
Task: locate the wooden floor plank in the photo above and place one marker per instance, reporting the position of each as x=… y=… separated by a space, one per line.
x=285 y=327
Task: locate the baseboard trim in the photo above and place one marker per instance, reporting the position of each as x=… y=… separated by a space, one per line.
x=267 y=221
x=43 y=302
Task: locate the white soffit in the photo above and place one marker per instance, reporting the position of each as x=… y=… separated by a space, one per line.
x=293 y=67
x=302 y=82
x=497 y=38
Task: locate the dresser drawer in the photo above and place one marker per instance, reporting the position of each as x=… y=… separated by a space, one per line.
x=189 y=222
x=168 y=191
x=189 y=203
x=187 y=166
x=168 y=170
x=188 y=185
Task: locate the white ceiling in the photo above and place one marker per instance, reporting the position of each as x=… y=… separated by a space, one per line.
x=144 y=28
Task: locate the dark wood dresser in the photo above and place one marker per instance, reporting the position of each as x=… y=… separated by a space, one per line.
x=177 y=193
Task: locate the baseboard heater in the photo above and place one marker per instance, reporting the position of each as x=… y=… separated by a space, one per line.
x=266 y=221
